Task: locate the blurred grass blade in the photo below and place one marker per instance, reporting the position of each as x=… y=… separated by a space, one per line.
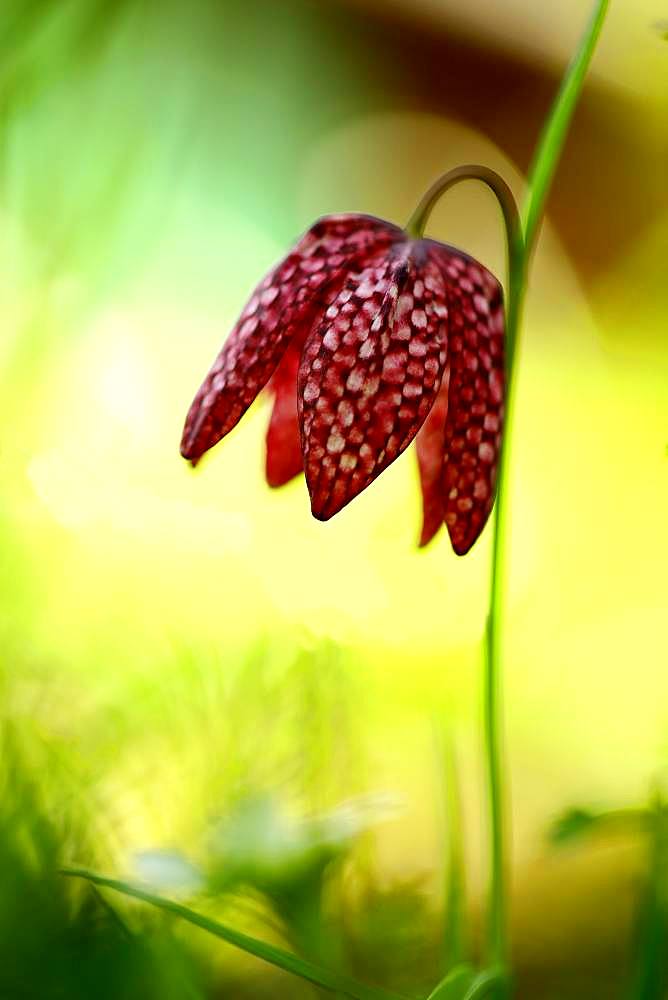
x=455 y=984
x=455 y=936
x=464 y=983
x=328 y=980
x=551 y=142
x=649 y=979
x=484 y=984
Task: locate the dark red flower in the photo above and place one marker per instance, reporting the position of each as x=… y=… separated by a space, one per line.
x=367 y=338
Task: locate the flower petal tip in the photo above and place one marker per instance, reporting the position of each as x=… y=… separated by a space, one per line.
x=427 y=536
x=191 y=455
x=462 y=546
x=276 y=478
x=189 y=445
x=186 y=451
x=320 y=511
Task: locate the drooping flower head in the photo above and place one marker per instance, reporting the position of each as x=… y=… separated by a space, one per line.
x=368 y=338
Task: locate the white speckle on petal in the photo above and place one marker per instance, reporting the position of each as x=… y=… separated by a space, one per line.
x=365 y=290
x=417 y=348
x=346 y=413
x=481 y=304
x=486 y=452
x=311 y=391
x=269 y=296
x=335 y=443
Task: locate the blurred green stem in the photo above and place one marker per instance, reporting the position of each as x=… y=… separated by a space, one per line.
x=649 y=977
x=456 y=943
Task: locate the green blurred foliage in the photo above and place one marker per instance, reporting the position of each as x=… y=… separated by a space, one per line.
x=55 y=942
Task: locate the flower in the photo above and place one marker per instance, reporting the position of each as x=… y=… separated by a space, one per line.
x=367 y=338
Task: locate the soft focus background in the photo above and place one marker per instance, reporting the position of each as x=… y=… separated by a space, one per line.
x=195 y=669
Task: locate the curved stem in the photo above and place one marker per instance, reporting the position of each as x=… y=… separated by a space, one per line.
x=470 y=171
x=497 y=935
x=415 y=228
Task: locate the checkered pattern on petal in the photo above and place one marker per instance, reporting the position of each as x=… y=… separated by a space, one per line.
x=370 y=373
x=282 y=307
x=474 y=424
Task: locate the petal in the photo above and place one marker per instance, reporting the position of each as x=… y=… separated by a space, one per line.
x=475 y=402
x=284 y=449
x=430 y=446
x=283 y=306
x=370 y=373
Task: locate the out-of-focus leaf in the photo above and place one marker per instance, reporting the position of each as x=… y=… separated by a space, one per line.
x=464 y=983
x=455 y=984
x=578 y=822
x=649 y=977
x=572 y=824
x=484 y=985
x=333 y=981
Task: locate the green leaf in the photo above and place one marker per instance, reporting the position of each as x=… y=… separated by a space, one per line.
x=571 y=825
x=464 y=983
x=335 y=982
x=577 y=822
x=649 y=977
x=485 y=984
x=455 y=984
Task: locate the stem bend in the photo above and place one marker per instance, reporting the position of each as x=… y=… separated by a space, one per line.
x=416 y=225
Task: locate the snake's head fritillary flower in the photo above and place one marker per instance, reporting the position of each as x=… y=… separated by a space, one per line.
x=368 y=338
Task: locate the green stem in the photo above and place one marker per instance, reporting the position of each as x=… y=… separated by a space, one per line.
x=496 y=931
x=471 y=171
x=545 y=162
x=553 y=136
x=497 y=916
x=520 y=242
x=455 y=941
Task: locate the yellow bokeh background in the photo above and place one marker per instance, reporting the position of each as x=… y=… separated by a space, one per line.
x=145 y=189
